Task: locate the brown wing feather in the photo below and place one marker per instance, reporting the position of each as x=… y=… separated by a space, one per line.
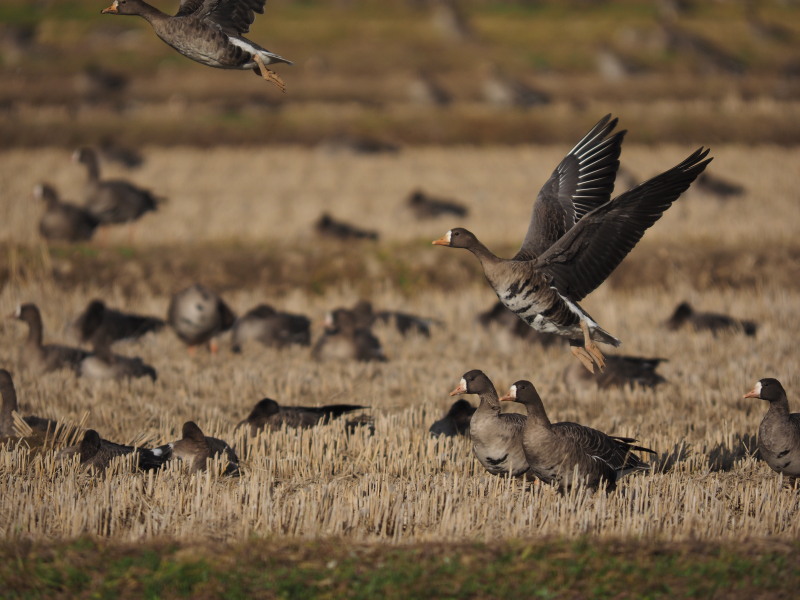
x=234 y=17
x=588 y=253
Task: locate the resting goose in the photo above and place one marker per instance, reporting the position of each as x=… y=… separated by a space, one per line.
x=98 y=321
x=779 y=432
x=560 y=453
x=98 y=453
x=209 y=32
x=327 y=226
x=112 y=200
x=104 y=364
x=428 y=207
x=268 y=414
x=456 y=421
x=195 y=449
x=62 y=220
x=496 y=436
x=9 y=397
x=197 y=314
x=365 y=316
x=620 y=371
x=41 y=358
x=576 y=238
x=346 y=339
x=272 y=328
x=686 y=316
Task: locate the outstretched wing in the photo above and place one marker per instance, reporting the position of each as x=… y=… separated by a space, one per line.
x=588 y=253
x=582 y=181
x=234 y=17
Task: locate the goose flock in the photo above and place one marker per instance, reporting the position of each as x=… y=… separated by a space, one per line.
x=577 y=235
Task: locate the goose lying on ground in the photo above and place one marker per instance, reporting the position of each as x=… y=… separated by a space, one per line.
x=268 y=414
x=9 y=406
x=428 y=207
x=272 y=328
x=686 y=316
x=779 y=432
x=344 y=339
x=112 y=324
x=209 y=32
x=496 y=436
x=577 y=237
x=619 y=372
x=43 y=358
x=98 y=453
x=195 y=449
x=566 y=453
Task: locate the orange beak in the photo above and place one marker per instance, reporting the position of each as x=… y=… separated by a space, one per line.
x=110 y=10
x=442 y=241
x=461 y=389
x=508 y=398
x=752 y=394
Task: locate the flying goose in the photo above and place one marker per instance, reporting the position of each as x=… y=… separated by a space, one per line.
x=195 y=449
x=197 y=314
x=779 y=432
x=346 y=339
x=98 y=321
x=558 y=453
x=270 y=327
x=98 y=453
x=209 y=32
x=9 y=397
x=112 y=200
x=268 y=414
x=456 y=421
x=428 y=207
x=62 y=220
x=41 y=358
x=501 y=316
x=620 y=371
x=685 y=316
x=496 y=436
x=576 y=238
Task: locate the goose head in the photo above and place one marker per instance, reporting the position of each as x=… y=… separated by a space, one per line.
x=458 y=238
x=768 y=389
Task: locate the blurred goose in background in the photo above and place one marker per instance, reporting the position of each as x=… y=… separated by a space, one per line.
x=779 y=432
x=210 y=32
x=327 y=226
x=268 y=414
x=104 y=364
x=365 y=317
x=563 y=453
x=501 y=91
x=271 y=328
x=112 y=200
x=424 y=91
x=9 y=398
x=62 y=220
x=620 y=371
x=98 y=321
x=197 y=315
x=345 y=339
x=111 y=151
x=41 y=358
x=429 y=207
x=577 y=237
x=195 y=449
x=685 y=316
x=455 y=422
x=503 y=318
x=713 y=185
x=98 y=453
x=496 y=436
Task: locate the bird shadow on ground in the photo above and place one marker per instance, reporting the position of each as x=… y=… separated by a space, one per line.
x=667 y=460
x=723 y=457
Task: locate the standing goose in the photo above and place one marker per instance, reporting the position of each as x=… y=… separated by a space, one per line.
x=561 y=452
x=9 y=398
x=576 y=238
x=268 y=414
x=209 y=32
x=62 y=220
x=197 y=314
x=112 y=200
x=779 y=432
x=496 y=437
x=41 y=358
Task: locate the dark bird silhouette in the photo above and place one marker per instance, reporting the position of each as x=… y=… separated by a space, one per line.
x=327 y=226
x=98 y=453
x=456 y=421
x=62 y=220
x=685 y=316
x=98 y=321
x=268 y=414
x=9 y=406
x=195 y=449
x=271 y=328
x=620 y=371
x=428 y=207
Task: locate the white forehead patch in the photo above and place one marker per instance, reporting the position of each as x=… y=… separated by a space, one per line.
x=512 y=391
x=757 y=389
x=18 y=312
x=462 y=383
x=447 y=236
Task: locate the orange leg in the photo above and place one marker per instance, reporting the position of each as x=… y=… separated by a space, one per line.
x=268 y=75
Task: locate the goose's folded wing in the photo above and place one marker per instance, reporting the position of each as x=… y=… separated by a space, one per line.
x=587 y=254
x=234 y=17
x=582 y=181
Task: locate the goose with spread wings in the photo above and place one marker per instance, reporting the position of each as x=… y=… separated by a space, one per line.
x=577 y=236
x=209 y=32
